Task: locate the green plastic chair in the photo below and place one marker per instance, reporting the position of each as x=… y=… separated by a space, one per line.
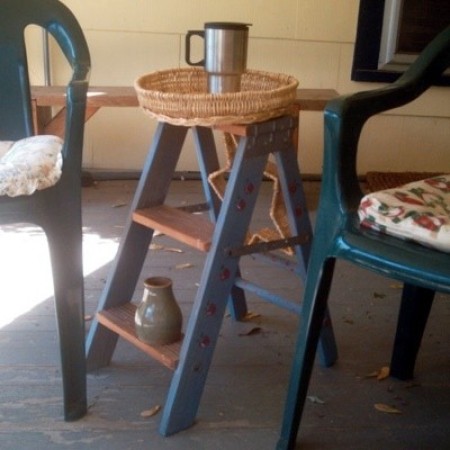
x=57 y=209
x=338 y=233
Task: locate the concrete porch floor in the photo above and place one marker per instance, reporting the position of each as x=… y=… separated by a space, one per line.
x=242 y=404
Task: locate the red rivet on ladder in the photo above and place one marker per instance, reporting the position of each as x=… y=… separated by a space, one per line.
x=299 y=211
x=225 y=274
x=293 y=188
x=241 y=205
x=211 y=309
x=249 y=188
x=205 y=341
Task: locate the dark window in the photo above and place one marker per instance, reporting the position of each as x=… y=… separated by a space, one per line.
x=391 y=33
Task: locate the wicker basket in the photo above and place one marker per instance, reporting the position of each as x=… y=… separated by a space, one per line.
x=180 y=97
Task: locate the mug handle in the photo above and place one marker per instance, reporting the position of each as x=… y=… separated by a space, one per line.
x=187 y=54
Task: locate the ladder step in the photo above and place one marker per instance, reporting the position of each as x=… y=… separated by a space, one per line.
x=191 y=229
x=120 y=319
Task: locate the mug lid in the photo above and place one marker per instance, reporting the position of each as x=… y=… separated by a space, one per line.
x=228 y=25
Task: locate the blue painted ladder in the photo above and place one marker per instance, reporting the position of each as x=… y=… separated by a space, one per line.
x=222 y=238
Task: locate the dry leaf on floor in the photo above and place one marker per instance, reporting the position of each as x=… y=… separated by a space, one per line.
x=184 y=266
x=373 y=374
x=88 y=317
x=388 y=409
x=383 y=373
x=251 y=315
x=173 y=250
x=160 y=247
x=252 y=331
x=315 y=399
x=119 y=205
x=151 y=412
x=380 y=374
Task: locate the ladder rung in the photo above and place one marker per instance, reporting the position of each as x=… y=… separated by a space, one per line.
x=191 y=229
x=120 y=319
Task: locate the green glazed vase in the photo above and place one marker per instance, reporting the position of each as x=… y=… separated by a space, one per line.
x=158 y=317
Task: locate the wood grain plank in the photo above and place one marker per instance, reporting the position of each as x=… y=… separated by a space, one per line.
x=191 y=229
x=121 y=320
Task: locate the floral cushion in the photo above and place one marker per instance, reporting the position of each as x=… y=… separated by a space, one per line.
x=30 y=164
x=419 y=211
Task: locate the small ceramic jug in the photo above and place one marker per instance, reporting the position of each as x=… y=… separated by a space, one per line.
x=158 y=318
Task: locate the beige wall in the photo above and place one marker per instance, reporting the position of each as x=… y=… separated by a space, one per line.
x=312 y=40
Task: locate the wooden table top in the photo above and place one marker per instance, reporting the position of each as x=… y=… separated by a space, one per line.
x=123 y=96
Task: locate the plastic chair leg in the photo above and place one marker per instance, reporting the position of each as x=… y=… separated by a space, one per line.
x=327 y=349
x=414 y=311
x=314 y=312
x=65 y=243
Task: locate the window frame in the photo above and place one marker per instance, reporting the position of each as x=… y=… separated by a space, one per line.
x=366 y=54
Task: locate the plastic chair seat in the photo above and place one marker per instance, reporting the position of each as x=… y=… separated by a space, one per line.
x=29 y=164
x=393 y=257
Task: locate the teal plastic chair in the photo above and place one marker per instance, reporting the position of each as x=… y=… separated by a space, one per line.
x=338 y=233
x=56 y=209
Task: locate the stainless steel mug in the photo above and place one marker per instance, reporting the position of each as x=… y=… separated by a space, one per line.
x=225 y=54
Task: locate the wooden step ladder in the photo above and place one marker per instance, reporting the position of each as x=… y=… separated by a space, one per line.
x=221 y=238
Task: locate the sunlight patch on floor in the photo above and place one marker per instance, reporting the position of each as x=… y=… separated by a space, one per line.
x=26 y=278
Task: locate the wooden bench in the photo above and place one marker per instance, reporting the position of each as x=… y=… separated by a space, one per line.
x=45 y=97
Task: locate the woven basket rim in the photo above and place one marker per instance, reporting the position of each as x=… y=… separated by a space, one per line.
x=212 y=108
x=290 y=81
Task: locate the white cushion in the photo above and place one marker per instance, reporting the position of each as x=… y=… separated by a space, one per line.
x=419 y=211
x=30 y=164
